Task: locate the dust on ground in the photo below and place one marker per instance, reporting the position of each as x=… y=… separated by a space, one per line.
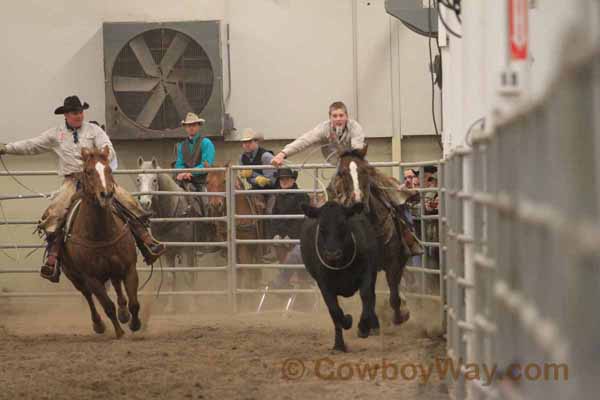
x=49 y=351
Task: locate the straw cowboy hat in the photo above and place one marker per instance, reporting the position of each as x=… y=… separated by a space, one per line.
x=250 y=134
x=192 y=118
x=71 y=104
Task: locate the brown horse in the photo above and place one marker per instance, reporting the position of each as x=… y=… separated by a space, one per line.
x=100 y=247
x=357 y=181
x=245 y=228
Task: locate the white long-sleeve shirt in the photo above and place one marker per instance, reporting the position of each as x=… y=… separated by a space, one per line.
x=352 y=137
x=60 y=141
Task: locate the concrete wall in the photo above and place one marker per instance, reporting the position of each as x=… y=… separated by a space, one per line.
x=289 y=60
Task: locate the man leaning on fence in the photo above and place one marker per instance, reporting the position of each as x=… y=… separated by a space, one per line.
x=66 y=141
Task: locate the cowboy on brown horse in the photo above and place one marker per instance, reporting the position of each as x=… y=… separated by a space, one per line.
x=339 y=134
x=67 y=140
x=99 y=246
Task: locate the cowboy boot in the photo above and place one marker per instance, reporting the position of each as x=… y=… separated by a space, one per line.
x=414 y=245
x=411 y=242
x=150 y=248
x=51 y=269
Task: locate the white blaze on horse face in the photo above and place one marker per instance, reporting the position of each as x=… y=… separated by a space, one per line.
x=100 y=169
x=145 y=185
x=354 y=175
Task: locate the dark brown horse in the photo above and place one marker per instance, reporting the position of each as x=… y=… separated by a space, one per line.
x=100 y=247
x=357 y=181
x=245 y=228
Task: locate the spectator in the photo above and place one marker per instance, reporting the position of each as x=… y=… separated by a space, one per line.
x=431 y=198
x=254 y=154
x=193 y=152
x=288 y=203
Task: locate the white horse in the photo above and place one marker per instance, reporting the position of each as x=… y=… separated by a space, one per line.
x=171 y=206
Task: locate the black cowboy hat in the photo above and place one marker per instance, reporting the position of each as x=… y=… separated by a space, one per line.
x=286 y=173
x=71 y=104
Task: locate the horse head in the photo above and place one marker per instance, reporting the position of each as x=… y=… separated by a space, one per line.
x=147 y=181
x=352 y=179
x=97 y=181
x=215 y=182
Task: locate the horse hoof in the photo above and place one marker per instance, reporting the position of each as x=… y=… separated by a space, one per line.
x=363 y=334
x=124 y=316
x=135 y=325
x=119 y=333
x=347 y=323
x=375 y=332
x=363 y=329
x=340 y=348
x=99 y=328
x=401 y=318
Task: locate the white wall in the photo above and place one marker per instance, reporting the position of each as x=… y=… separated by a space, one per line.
x=473 y=64
x=550 y=21
x=290 y=59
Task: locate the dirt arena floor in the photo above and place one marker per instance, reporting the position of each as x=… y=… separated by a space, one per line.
x=50 y=352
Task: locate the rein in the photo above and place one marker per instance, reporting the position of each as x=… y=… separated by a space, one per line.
x=323 y=261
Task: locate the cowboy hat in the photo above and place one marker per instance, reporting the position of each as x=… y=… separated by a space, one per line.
x=71 y=104
x=286 y=173
x=192 y=118
x=250 y=134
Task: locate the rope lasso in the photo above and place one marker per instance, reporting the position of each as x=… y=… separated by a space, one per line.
x=323 y=186
x=17 y=260
x=45 y=196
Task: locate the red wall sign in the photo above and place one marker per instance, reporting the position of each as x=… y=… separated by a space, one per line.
x=518 y=29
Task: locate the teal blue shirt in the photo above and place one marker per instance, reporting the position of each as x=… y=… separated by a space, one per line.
x=208 y=152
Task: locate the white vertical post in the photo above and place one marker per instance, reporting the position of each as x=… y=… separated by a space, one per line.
x=232 y=237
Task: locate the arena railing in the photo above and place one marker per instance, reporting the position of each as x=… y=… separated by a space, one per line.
x=529 y=297
x=230 y=219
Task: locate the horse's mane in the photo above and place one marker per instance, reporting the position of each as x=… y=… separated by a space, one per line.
x=358 y=156
x=352 y=153
x=167 y=183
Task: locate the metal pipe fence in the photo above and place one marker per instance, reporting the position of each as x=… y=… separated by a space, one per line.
x=231 y=219
x=535 y=208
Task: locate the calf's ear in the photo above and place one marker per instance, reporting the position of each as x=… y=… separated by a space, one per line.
x=355 y=208
x=310 y=212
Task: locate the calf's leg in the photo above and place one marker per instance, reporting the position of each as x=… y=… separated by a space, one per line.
x=368 y=317
x=340 y=321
